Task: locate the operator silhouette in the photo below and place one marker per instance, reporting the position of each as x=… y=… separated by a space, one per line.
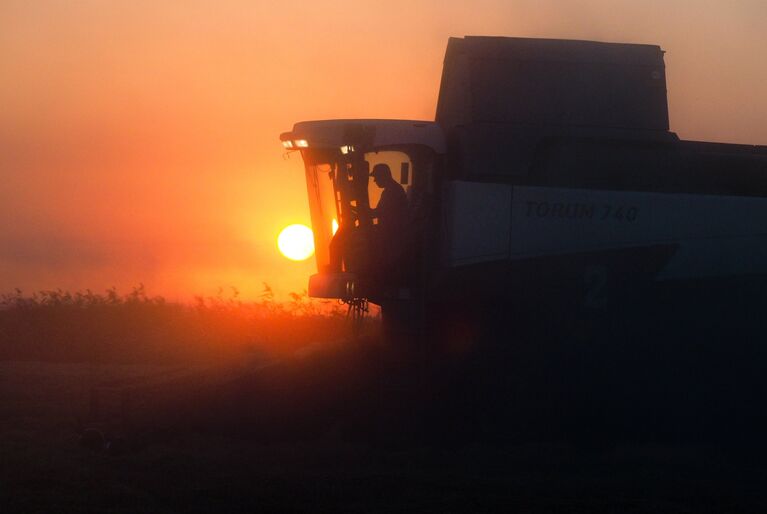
x=387 y=239
x=392 y=213
x=391 y=210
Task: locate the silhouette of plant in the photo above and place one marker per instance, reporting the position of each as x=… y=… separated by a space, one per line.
x=138 y=327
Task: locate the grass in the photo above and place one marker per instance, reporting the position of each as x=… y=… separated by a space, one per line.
x=232 y=406
x=135 y=327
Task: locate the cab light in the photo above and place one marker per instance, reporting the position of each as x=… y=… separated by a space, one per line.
x=301 y=143
x=346 y=149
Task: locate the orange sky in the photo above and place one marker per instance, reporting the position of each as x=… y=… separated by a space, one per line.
x=139 y=142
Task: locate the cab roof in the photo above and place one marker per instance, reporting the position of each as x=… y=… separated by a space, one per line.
x=374 y=133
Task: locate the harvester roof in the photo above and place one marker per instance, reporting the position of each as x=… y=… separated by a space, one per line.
x=368 y=132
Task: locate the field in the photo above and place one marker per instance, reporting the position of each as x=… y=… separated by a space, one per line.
x=130 y=404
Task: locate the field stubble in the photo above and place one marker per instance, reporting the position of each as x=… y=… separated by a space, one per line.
x=226 y=406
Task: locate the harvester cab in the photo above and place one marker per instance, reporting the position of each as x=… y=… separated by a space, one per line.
x=357 y=256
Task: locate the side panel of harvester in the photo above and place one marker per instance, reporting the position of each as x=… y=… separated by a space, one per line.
x=708 y=235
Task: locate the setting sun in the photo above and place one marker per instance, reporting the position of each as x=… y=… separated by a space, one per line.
x=296 y=242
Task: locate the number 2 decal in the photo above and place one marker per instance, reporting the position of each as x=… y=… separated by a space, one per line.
x=595 y=279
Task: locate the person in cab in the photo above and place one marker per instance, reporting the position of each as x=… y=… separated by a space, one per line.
x=391 y=214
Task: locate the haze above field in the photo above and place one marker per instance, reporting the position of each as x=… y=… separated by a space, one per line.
x=139 y=142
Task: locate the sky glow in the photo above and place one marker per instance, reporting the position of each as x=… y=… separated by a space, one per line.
x=139 y=141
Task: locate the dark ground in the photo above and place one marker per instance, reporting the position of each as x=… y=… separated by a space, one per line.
x=329 y=434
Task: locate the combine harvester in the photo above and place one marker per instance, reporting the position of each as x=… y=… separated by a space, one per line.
x=549 y=189
x=596 y=276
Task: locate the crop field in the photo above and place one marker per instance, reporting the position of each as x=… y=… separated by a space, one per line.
x=127 y=403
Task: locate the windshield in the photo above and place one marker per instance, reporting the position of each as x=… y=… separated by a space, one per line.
x=323 y=208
